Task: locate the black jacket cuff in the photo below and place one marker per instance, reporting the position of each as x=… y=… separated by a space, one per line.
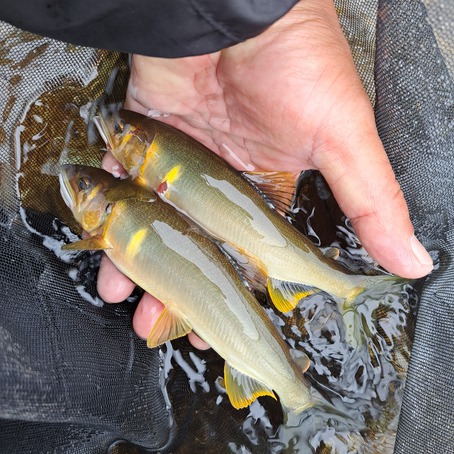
x=160 y=28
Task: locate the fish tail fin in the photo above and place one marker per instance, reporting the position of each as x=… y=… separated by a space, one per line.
x=286 y=295
x=370 y=286
x=324 y=409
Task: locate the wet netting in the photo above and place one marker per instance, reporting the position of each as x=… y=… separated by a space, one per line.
x=74 y=378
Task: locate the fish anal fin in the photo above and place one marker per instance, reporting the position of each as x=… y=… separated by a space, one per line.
x=95 y=243
x=277 y=187
x=286 y=295
x=170 y=325
x=242 y=389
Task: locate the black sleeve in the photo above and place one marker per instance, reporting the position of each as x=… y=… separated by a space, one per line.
x=161 y=28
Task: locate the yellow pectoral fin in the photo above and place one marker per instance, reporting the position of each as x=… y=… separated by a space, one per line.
x=243 y=390
x=286 y=295
x=169 y=326
x=95 y=243
x=249 y=268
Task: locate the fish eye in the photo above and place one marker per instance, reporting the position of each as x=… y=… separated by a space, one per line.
x=118 y=128
x=84 y=183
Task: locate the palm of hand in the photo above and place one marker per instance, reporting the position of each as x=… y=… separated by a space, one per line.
x=273 y=102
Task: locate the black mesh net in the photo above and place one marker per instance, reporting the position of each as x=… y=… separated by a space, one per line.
x=75 y=378
x=415 y=116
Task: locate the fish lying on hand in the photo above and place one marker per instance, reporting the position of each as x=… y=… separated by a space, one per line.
x=208 y=190
x=164 y=253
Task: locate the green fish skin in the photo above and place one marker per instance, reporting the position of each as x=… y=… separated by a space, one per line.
x=164 y=253
x=203 y=186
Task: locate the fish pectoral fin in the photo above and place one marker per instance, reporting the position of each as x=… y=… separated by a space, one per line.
x=286 y=295
x=169 y=326
x=242 y=389
x=95 y=243
x=277 y=187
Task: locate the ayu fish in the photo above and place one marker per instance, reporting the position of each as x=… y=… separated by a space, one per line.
x=273 y=253
x=164 y=253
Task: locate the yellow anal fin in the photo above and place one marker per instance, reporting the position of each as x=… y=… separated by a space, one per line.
x=286 y=295
x=95 y=243
x=169 y=326
x=277 y=187
x=243 y=390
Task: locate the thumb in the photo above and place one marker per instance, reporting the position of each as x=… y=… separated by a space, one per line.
x=360 y=175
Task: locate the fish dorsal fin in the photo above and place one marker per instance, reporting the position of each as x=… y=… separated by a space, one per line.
x=247 y=267
x=286 y=295
x=277 y=187
x=243 y=390
x=169 y=326
x=95 y=243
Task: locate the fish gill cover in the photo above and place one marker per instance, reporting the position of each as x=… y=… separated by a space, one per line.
x=74 y=376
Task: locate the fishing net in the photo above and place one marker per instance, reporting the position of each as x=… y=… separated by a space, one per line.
x=74 y=378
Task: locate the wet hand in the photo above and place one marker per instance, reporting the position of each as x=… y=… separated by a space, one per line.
x=290 y=99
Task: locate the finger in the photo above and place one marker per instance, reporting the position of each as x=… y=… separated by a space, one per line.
x=113 y=286
x=363 y=182
x=197 y=342
x=146 y=315
x=110 y=164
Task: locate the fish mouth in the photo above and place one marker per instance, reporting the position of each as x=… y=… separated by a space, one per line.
x=103 y=130
x=66 y=171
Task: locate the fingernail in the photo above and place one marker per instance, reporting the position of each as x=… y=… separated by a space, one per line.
x=420 y=252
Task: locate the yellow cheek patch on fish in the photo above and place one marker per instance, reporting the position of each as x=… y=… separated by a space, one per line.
x=90 y=220
x=127 y=137
x=243 y=390
x=135 y=243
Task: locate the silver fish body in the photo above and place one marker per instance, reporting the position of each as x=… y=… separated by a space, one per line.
x=166 y=255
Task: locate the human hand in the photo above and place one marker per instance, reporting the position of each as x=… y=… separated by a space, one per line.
x=290 y=99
